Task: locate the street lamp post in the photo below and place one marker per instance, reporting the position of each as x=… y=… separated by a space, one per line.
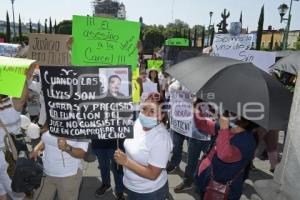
x=283 y=8
x=13 y=11
x=209 y=28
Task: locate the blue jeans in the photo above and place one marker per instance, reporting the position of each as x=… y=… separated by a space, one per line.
x=178 y=140
x=194 y=149
x=160 y=194
x=106 y=160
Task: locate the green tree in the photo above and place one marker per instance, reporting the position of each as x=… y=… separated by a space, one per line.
x=260 y=28
x=174 y=29
x=20 y=29
x=8 y=31
x=195 y=37
x=46 y=27
x=50 y=26
x=153 y=38
x=212 y=36
x=39 y=27
x=55 y=27
x=203 y=38
x=65 y=27
x=30 y=26
x=241 y=19
x=272 y=41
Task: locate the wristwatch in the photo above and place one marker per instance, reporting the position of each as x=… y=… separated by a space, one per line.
x=69 y=149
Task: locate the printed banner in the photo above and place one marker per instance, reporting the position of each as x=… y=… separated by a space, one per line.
x=49 y=49
x=104 y=42
x=88 y=102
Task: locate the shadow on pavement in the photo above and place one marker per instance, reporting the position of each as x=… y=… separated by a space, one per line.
x=88 y=187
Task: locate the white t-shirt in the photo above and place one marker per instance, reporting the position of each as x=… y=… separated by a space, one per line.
x=53 y=157
x=147 y=148
x=10 y=118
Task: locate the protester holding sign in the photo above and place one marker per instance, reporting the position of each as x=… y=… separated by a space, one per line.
x=62 y=167
x=153 y=76
x=147 y=154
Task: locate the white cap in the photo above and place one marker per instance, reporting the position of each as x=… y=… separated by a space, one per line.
x=25 y=122
x=33 y=131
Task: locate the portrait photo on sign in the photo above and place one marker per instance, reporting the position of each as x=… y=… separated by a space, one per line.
x=115 y=82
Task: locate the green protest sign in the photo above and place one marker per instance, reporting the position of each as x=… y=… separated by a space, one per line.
x=13 y=75
x=11 y=83
x=177 y=42
x=15 y=65
x=102 y=41
x=155 y=64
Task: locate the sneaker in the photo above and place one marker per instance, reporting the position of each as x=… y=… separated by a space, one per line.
x=120 y=196
x=170 y=168
x=100 y=191
x=182 y=187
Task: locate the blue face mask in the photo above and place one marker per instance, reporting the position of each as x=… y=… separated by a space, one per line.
x=147 y=122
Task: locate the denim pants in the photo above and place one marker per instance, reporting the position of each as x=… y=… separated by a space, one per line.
x=106 y=161
x=160 y=194
x=194 y=149
x=178 y=140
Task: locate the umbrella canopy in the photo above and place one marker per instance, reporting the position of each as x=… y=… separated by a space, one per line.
x=290 y=64
x=237 y=86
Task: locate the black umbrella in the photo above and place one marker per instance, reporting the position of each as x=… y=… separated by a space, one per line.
x=290 y=64
x=237 y=86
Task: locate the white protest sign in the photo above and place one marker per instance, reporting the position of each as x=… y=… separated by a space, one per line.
x=181 y=112
x=148 y=87
x=231 y=42
x=261 y=59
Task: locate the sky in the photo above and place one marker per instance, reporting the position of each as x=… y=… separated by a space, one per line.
x=159 y=11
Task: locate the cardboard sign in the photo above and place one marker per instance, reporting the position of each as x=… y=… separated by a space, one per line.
x=49 y=49
x=181 y=112
x=102 y=41
x=183 y=42
x=13 y=75
x=9 y=50
x=88 y=102
x=261 y=59
x=231 y=42
x=155 y=64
